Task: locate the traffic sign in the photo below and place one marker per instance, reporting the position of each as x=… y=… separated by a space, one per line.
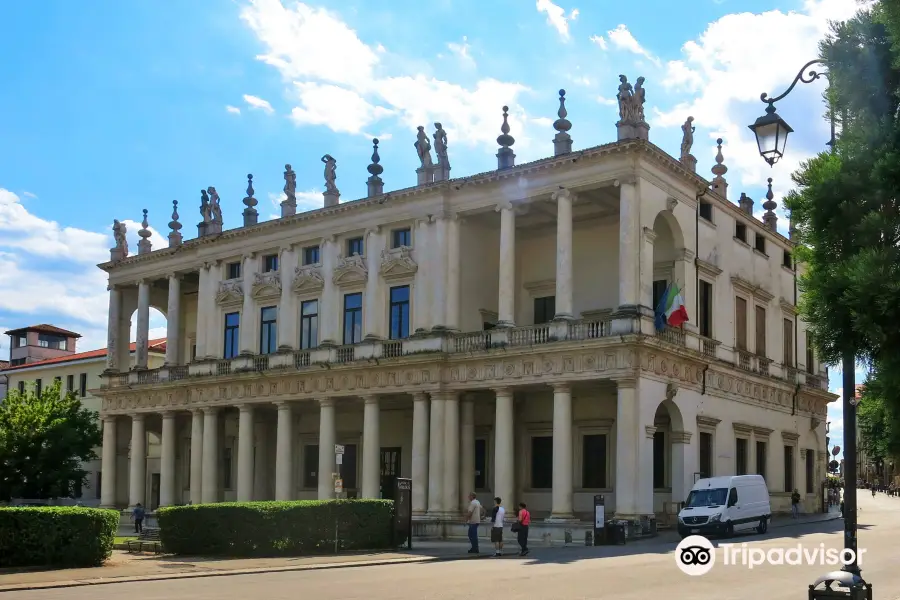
x=338 y=486
x=338 y=449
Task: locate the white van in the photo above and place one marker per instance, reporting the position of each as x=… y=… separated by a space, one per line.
x=723 y=505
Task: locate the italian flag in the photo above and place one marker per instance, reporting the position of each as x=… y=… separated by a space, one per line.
x=671 y=311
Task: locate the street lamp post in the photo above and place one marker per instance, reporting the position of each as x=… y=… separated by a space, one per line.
x=771 y=133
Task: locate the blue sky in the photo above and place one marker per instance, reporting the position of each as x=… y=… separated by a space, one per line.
x=111 y=107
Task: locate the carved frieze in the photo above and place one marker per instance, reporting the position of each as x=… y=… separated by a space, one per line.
x=266 y=285
x=308 y=278
x=230 y=292
x=397 y=263
x=350 y=270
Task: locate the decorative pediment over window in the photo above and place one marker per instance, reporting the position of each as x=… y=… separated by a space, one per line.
x=350 y=270
x=266 y=285
x=397 y=263
x=230 y=292
x=308 y=278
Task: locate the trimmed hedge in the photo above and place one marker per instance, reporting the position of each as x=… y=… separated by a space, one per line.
x=58 y=536
x=276 y=528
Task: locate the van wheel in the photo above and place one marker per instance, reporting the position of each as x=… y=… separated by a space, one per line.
x=729 y=529
x=763 y=526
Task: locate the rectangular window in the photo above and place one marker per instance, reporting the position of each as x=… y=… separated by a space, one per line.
x=20 y=341
x=226 y=468
x=353 y=318
x=401 y=237
x=761 y=331
x=659 y=289
x=70 y=383
x=58 y=378
x=593 y=461
x=16 y=362
x=21 y=387
x=311 y=466
x=788 y=468
x=788 y=326
x=788 y=261
x=740 y=456
x=311 y=255
x=234 y=270
x=355 y=246
x=810 y=355
x=706 y=211
x=706 y=450
x=740 y=232
x=705 y=313
x=268 y=330
x=99 y=485
x=810 y=470
x=761 y=459
x=232 y=335
x=55 y=342
x=38 y=387
x=740 y=323
x=399 y=312
x=82 y=385
x=481 y=462
x=270 y=263
x=761 y=243
x=544 y=309
x=659 y=460
x=309 y=324
x=542 y=462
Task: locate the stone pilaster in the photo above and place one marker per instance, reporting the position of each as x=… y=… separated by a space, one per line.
x=507 y=300
x=196 y=456
x=420 y=454
x=173 y=320
x=564 y=279
x=210 y=486
x=327 y=440
x=504 y=447
x=108 y=464
x=371 y=480
x=167 y=460
x=112 y=330
x=137 y=484
x=561 y=508
x=143 y=325
x=245 y=454
x=284 y=456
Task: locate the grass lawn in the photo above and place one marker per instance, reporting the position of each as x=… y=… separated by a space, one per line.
x=123 y=539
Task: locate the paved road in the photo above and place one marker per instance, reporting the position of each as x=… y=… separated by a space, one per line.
x=636 y=572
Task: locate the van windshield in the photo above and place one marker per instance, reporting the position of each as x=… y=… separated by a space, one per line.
x=707 y=497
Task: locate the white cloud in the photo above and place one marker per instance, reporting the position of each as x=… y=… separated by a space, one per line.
x=233 y=109
x=556 y=16
x=258 y=103
x=678 y=75
x=29 y=195
x=607 y=101
x=340 y=109
x=308 y=200
x=462 y=51
x=600 y=41
x=622 y=38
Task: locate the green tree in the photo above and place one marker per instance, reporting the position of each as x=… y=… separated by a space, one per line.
x=44 y=438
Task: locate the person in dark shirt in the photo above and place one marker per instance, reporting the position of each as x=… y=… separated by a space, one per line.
x=137 y=515
x=795 y=504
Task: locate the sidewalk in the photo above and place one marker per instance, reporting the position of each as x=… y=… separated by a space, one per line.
x=123 y=567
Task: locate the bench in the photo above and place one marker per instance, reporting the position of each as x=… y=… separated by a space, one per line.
x=147 y=540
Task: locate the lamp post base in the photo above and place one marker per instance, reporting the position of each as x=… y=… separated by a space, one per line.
x=840 y=584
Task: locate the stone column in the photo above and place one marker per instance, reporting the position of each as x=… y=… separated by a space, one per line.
x=245 y=454
x=467 y=449
x=173 y=320
x=436 y=457
x=137 y=482
x=371 y=474
x=634 y=454
x=507 y=301
x=504 y=448
x=564 y=282
x=562 y=453
x=143 y=325
x=629 y=244
x=112 y=330
x=330 y=306
x=167 y=460
x=284 y=453
x=645 y=479
x=647 y=268
x=288 y=315
x=420 y=454
x=210 y=492
x=215 y=334
x=108 y=464
x=327 y=440
x=196 y=456
x=124 y=349
x=205 y=300
x=260 y=462
x=682 y=466
x=451 y=456
x=453 y=273
x=375 y=322
x=438 y=277
x=248 y=338
x=421 y=305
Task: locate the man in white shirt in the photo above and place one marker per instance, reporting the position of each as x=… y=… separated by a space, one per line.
x=497 y=516
x=473 y=518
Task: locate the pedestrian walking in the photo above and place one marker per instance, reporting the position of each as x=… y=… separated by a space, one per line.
x=137 y=515
x=523 y=521
x=795 y=504
x=497 y=516
x=473 y=519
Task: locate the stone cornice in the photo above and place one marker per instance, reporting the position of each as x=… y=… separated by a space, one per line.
x=742 y=428
x=790 y=436
x=708 y=269
x=788 y=308
x=704 y=421
x=762 y=432
x=758 y=293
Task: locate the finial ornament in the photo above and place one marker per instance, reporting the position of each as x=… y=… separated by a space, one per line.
x=289 y=204
x=687 y=142
x=442 y=172
x=120 y=250
x=632 y=124
x=332 y=194
x=251 y=216
x=175 y=237
x=506 y=159
x=719 y=184
x=562 y=142
x=144 y=245
x=374 y=184
x=770 y=219
x=746 y=203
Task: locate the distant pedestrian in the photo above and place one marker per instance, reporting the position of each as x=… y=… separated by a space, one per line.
x=137 y=515
x=795 y=504
x=497 y=516
x=473 y=519
x=523 y=521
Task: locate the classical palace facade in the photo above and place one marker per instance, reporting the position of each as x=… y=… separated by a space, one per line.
x=492 y=333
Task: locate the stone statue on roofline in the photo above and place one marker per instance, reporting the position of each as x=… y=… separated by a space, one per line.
x=425 y=172
x=120 y=250
x=632 y=123
x=330 y=174
x=442 y=171
x=215 y=211
x=687 y=141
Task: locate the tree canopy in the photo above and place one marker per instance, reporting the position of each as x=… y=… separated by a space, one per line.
x=44 y=438
x=846 y=214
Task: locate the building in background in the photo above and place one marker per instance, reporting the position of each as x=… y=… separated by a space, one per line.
x=79 y=373
x=40 y=342
x=3 y=379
